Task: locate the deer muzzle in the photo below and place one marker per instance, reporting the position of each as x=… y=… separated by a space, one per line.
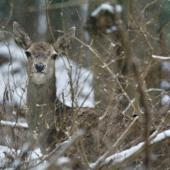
x=39 y=67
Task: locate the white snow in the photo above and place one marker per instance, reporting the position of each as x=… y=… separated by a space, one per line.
x=2 y=155
x=112 y=45
x=165 y=66
x=33 y=155
x=165 y=84
x=154 y=89
x=38 y=105
x=160 y=58
x=84 y=77
x=14 y=124
x=161 y=136
x=110 y=30
x=165 y=99
x=15 y=78
x=118 y=157
x=62 y=160
x=108 y=7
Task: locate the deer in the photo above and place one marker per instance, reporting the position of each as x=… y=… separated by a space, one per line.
x=50 y=121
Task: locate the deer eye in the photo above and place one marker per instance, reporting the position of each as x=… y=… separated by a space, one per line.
x=54 y=56
x=28 y=54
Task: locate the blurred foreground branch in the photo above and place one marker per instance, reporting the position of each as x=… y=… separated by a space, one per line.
x=118 y=159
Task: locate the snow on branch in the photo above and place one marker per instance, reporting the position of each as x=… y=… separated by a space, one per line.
x=13 y=124
x=121 y=138
x=154 y=89
x=160 y=58
x=119 y=158
x=106 y=7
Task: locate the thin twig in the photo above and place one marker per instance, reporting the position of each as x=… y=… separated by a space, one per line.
x=101 y=160
x=157 y=14
x=117 y=160
x=141 y=89
x=49 y=26
x=108 y=69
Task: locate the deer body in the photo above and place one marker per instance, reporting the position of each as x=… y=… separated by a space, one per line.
x=50 y=119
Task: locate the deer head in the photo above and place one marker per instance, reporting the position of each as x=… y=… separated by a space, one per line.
x=41 y=56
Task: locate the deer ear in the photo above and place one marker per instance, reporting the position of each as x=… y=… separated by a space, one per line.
x=22 y=39
x=65 y=41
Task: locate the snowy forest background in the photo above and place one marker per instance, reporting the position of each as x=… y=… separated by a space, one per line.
x=120 y=63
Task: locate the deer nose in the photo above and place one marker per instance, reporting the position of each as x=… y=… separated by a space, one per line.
x=39 y=67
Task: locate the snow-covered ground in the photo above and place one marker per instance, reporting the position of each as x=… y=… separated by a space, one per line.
x=114 y=159
x=14 y=77
x=8 y=153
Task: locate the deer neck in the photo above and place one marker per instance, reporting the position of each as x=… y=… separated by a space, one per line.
x=40 y=102
x=44 y=94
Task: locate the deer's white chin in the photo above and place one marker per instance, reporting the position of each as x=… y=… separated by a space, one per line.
x=39 y=78
x=39 y=75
